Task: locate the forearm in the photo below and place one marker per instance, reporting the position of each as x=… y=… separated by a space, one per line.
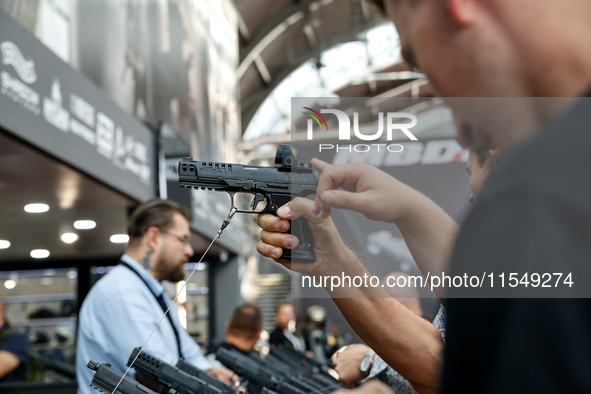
x=430 y=235
x=408 y=343
x=8 y=363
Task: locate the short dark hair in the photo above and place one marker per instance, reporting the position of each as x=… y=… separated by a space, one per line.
x=246 y=322
x=153 y=213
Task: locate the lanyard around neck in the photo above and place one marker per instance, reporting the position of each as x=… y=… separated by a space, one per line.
x=162 y=304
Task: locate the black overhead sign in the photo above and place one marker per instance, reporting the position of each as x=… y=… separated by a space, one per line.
x=48 y=104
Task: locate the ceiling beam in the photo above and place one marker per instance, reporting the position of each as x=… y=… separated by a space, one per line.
x=242 y=28
x=252 y=103
x=292 y=14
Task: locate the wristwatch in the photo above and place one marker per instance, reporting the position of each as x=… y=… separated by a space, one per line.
x=367 y=362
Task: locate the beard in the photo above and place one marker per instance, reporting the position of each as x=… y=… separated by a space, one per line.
x=171 y=272
x=175 y=275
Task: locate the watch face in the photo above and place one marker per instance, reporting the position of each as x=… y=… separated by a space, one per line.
x=365 y=364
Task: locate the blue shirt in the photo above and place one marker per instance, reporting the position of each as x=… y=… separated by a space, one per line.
x=118 y=315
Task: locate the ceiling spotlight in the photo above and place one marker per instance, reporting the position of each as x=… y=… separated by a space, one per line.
x=39 y=253
x=4 y=244
x=69 y=237
x=36 y=208
x=84 y=224
x=10 y=284
x=119 y=238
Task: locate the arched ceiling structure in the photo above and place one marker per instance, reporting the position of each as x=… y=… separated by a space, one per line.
x=318 y=48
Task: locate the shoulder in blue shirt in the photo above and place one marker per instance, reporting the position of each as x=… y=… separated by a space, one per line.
x=119 y=314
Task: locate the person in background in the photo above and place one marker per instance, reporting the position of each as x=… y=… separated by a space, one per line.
x=335 y=340
x=243 y=330
x=13 y=351
x=125 y=306
x=314 y=334
x=283 y=332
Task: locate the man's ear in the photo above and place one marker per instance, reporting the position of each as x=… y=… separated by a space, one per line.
x=151 y=238
x=463 y=12
x=259 y=334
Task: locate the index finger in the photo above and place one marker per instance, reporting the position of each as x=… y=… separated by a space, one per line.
x=333 y=177
x=272 y=223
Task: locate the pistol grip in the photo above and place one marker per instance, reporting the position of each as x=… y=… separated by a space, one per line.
x=305 y=250
x=300 y=229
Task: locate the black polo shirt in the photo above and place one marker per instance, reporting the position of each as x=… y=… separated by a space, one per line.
x=17 y=344
x=534 y=213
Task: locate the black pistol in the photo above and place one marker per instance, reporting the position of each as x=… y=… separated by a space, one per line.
x=259 y=376
x=274 y=185
x=172 y=377
x=192 y=370
x=106 y=379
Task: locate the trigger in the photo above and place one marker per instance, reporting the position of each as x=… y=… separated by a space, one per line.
x=256 y=200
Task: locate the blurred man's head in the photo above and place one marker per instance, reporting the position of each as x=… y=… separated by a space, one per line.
x=496 y=48
x=284 y=315
x=159 y=231
x=245 y=327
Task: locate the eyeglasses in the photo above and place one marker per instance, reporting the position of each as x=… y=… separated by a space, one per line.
x=184 y=240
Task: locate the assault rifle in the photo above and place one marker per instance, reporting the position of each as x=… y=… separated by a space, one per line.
x=274 y=185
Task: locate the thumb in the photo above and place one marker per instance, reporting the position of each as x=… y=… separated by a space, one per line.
x=302 y=208
x=343 y=199
x=285 y=212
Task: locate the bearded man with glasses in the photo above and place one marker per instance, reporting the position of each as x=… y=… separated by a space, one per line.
x=123 y=308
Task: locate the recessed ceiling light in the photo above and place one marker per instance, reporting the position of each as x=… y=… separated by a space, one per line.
x=10 y=284
x=84 y=224
x=4 y=244
x=39 y=253
x=119 y=238
x=36 y=208
x=69 y=237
